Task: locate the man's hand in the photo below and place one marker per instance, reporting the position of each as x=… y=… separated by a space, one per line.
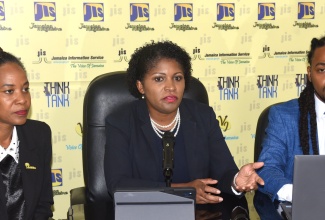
x=247 y=179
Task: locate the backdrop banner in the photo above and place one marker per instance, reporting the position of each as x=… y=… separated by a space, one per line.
x=248 y=54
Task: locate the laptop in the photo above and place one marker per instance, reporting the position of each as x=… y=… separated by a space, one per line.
x=308 y=195
x=155 y=203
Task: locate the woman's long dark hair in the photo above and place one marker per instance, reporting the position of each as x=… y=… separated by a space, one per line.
x=307 y=107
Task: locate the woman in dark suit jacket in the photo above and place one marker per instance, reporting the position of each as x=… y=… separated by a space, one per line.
x=25 y=149
x=159 y=73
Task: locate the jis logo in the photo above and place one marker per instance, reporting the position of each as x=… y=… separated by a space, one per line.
x=183 y=12
x=45 y=11
x=122 y=55
x=2 y=11
x=225 y=11
x=267 y=86
x=41 y=54
x=306 y=10
x=93 y=12
x=139 y=12
x=228 y=87
x=56 y=177
x=266 y=53
x=266 y=11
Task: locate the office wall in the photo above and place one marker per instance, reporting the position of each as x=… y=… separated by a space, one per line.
x=248 y=54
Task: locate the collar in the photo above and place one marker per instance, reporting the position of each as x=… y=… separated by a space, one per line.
x=13 y=148
x=319 y=107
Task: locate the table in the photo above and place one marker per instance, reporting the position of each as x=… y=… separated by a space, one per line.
x=232 y=207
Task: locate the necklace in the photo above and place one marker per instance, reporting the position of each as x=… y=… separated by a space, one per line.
x=176 y=121
x=166 y=126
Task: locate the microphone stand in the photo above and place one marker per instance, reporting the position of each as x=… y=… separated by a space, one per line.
x=168 y=140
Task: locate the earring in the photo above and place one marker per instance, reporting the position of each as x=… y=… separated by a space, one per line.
x=142 y=96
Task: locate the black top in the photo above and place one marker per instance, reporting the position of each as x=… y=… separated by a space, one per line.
x=11 y=177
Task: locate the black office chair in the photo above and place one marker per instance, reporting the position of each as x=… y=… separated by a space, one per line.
x=105 y=94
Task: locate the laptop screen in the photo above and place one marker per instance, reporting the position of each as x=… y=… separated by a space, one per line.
x=308 y=196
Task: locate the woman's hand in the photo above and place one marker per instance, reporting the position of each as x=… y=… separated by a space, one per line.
x=247 y=179
x=204 y=192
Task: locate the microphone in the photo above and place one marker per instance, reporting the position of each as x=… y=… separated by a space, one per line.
x=239 y=213
x=168 y=140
